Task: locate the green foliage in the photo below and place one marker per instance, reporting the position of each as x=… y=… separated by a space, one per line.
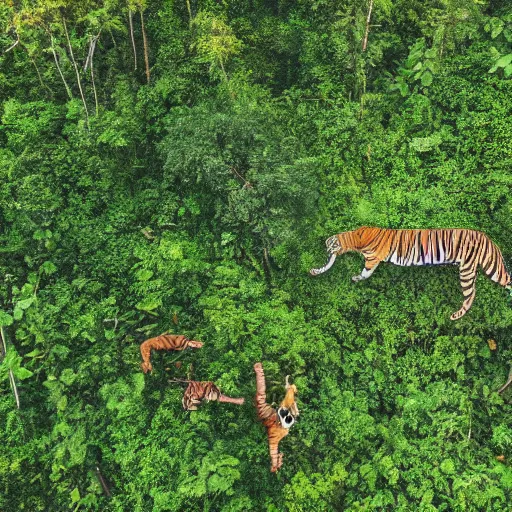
x=196 y=204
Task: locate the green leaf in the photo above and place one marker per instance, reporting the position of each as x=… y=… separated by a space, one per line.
x=144 y=275
x=5 y=319
x=17 y=313
x=496 y=26
x=447 y=466
x=68 y=376
x=426 y=79
x=25 y=303
x=33 y=353
x=149 y=304
x=21 y=373
x=507 y=71
x=502 y=62
x=75 y=495
x=48 y=267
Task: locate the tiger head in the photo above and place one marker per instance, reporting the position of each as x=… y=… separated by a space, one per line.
x=286 y=418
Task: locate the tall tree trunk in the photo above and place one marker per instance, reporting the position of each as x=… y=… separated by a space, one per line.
x=76 y=71
x=145 y=39
x=132 y=37
x=89 y=62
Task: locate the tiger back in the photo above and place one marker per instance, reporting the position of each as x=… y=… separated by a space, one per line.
x=164 y=342
x=405 y=247
x=277 y=423
x=198 y=392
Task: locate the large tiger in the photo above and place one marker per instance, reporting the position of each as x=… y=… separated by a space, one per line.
x=197 y=391
x=464 y=247
x=277 y=422
x=164 y=342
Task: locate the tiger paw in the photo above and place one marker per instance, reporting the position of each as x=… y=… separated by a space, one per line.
x=356 y=278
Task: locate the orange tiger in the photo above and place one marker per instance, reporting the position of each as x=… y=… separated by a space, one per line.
x=464 y=247
x=164 y=342
x=197 y=391
x=277 y=422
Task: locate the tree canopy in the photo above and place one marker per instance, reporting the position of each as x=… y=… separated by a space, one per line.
x=175 y=166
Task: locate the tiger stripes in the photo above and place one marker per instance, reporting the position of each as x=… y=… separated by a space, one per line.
x=197 y=391
x=164 y=342
x=271 y=420
x=405 y=247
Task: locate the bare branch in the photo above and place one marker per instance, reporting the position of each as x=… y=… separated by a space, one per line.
x=368 y=18
x=92 y=47
x=104 y=485
x=52 y=47
x=76 y=71
x=507 y=384
x=13 y=45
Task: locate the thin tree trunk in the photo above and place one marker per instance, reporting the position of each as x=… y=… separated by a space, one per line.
x=145 y=39
x=223 y=70
x=189 y=11
x=76 y=71
x=68 y=90
x=132 y=37
x=368 y=18
x=94 y=88
x=92 y=47
x=11 y=375
x=89 y=62
x=101 y=480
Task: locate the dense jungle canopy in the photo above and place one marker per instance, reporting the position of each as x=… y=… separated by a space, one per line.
x=176 y=165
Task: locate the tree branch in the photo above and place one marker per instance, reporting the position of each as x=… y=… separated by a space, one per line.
x=13 y=45
x=132 y=37
x=76 y=71
x=507 y=384
x=145 y=39
x=68 y=90
x=368 y=18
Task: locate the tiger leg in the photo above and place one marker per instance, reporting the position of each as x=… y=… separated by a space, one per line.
x=467 y=280
x=369 y=268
